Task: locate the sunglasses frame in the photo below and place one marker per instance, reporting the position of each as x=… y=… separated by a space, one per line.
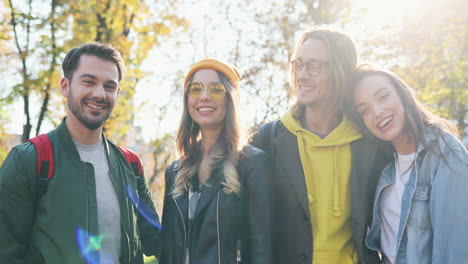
x=211 y=94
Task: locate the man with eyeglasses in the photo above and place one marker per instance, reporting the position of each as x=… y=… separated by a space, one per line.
x=324 y=171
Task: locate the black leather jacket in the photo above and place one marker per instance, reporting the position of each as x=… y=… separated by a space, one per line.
x=293 y=234
x=226 y=228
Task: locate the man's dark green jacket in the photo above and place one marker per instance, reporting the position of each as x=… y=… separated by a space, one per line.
x=68 y=204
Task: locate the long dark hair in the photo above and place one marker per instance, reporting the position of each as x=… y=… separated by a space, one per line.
x=417 y=116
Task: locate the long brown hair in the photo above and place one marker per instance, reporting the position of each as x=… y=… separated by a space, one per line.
x=343 y=60
x=416 y=114
x=225 y=152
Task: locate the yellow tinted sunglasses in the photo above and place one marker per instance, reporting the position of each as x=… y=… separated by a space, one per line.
x=195 y=89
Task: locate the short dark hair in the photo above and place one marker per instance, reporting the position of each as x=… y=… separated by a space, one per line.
x=103 y=51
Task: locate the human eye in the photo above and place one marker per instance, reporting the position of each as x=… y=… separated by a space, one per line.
x=384 y=96
x=217 y=88
x=298 y=65
x=362 y=111
x=194 y=86
x=88 y=82
x=196 y=89
x=110 y=87
x=314 y=65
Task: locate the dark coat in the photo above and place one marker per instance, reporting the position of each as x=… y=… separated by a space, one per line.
x=69 y=203
x=293 y=235
x=221 y=219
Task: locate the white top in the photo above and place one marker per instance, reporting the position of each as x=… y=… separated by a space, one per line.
x=390 y=206
x=107 y=204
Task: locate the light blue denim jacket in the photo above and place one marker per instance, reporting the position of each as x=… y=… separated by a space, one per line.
x=434 y=210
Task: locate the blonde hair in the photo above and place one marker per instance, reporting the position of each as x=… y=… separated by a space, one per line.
x=225 y=152
x=343 y=60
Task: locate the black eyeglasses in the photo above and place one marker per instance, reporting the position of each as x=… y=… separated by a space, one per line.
x=313 y=67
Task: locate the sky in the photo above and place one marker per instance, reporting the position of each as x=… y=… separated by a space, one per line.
x=153 y=91
x=377 y=13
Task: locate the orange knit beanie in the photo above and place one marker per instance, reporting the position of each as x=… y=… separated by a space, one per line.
x=229 y=70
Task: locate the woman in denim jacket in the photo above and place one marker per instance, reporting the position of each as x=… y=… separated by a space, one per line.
x=420 y=210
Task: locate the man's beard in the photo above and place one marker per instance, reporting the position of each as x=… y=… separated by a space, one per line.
x=78 y=112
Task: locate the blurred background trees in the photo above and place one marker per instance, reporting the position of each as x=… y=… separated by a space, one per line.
x=425 y=43
x=160 y=39
x=35 y=35
x=430 y=52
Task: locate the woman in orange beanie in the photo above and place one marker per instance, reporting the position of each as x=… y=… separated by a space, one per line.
x=217 y=206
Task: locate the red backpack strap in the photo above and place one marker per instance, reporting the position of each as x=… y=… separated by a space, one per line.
x=133 y=160
x=45 y=167
x=45 y=156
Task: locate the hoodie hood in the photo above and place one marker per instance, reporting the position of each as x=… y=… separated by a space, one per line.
x=344 y=133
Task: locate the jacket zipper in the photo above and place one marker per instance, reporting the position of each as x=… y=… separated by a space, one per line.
x=185 y=232
x=128 y=247
x=129 y=212
x=238 y=242
x=217 y=228
x=238 y=255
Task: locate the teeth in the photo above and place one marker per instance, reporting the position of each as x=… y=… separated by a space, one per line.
x=206 y=109
x=385 y=122
x=95 y=107
x=306 y=88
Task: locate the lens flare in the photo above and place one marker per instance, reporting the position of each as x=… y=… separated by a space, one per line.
x=144 y=210
x=89 y=245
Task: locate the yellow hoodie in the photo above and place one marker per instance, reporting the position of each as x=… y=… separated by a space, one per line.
x=327 y=167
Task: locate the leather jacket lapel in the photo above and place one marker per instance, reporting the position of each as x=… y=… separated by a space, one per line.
x=287 y=152
x=207 y=194
x=182 y=203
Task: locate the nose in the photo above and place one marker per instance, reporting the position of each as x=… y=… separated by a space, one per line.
x=378 y=109
x=99 y=91
x=303 y=74
x=205 y=96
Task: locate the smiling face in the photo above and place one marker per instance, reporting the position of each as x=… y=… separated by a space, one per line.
x=313 y=90
x=92 y=91
x=379 y=106
x=207 y=112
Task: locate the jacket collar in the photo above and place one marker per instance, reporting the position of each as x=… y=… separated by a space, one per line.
x=182 y=203
x=291 y=162
x=428 y=138
x=65 y=140
x=206 y=196
x=360 y=177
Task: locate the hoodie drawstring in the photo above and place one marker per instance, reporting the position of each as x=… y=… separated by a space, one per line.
x=336 y=190
x=302 y=149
